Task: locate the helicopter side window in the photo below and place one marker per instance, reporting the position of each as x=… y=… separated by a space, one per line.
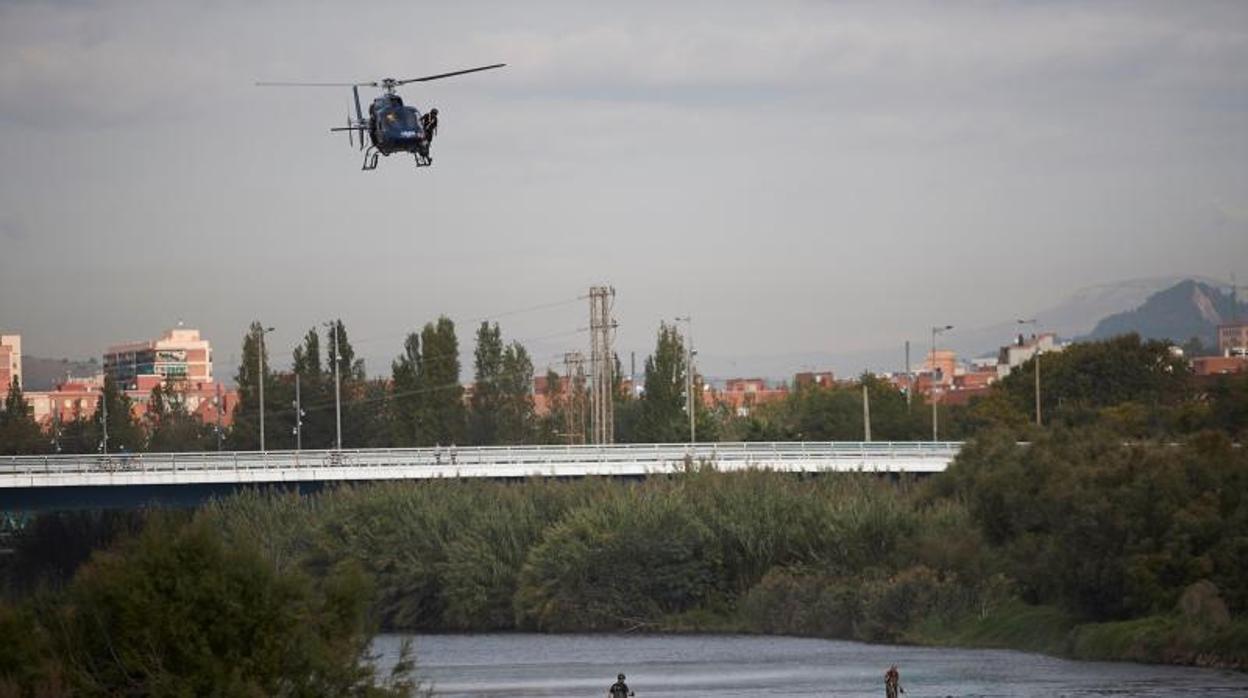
x=411 y=121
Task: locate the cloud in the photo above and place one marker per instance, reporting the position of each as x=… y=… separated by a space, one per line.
x=1233 y=213
x=871 y=56
x=964 y=156
x=13 y=228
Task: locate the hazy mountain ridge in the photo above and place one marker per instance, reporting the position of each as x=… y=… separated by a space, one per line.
x=1075 y=316
x=39 y=373
x=1188 y=309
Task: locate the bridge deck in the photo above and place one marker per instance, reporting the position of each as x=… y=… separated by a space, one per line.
x=18 y=472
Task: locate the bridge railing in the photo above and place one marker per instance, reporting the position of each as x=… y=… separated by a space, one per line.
x=743 y=453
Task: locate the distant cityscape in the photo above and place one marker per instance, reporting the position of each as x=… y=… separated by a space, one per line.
x=181 y=359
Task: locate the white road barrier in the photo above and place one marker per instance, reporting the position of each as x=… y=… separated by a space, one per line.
x=478 y=461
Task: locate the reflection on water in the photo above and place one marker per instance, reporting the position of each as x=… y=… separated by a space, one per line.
x=735 y=665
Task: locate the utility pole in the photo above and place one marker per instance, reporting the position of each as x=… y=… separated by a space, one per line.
x=104 y=419
x=260 y=361
x=602 y=364
x=932 y=383
x=1035 y=335
x=337 y=388
x=298 y=416
x=866 y=409
x=218 y=401
x=689 y=403
x=1234 y=299
x=909 y=378
x=56 y=427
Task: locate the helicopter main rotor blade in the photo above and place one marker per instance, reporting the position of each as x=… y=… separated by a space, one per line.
x=318 y=84
x=448 y=75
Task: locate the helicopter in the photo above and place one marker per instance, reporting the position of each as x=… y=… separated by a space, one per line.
x=391 y=126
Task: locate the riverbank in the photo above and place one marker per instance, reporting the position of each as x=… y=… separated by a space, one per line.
x=1046 y=630
x=1154 y=640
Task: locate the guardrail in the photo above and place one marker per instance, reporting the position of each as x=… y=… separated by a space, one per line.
x=481 y=461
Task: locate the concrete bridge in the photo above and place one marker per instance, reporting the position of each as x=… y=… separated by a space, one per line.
x=35 y=482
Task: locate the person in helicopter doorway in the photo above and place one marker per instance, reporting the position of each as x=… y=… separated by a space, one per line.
x=429 y=122
x=619 y=689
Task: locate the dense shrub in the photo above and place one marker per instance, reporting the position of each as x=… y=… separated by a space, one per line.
x=623 y=562
x=177 y=611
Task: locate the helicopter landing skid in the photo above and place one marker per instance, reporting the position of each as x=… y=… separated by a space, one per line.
x=370 y=159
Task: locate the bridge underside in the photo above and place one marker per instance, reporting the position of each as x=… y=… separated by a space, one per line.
x=82 y=497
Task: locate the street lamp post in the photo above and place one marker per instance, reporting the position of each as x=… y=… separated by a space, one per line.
x=1035 y=333
x=298 y=405
x=688 y=320
x=260 y=361
x=935 y=331
x=104 y=418
x=337 y=389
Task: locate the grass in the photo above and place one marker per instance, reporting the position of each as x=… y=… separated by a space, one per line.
x=1014 y=625
x=1166 y=639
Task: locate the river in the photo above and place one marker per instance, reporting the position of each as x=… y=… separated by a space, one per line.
x=741 y=665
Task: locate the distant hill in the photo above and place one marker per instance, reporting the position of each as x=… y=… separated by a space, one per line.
x=1073 y=317
x=1188 y=309
x=43 y=374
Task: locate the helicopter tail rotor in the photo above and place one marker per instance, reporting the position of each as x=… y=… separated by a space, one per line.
x=353 y=129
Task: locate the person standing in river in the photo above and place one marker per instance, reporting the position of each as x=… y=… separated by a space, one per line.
x=619 y=689
x=892 y=682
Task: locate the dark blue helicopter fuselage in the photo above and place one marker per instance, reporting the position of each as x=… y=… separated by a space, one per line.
x=395 y=127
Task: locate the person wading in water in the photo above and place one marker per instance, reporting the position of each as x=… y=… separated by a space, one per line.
x=892 y=682
x=619 y=689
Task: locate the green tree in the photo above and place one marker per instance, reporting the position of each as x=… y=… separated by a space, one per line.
x=486 y=407
x=517 y=423
x=444 y=415
x=349 y=368
x=502 y=398
x=1087 y=376
x=550 y=427
x=77 y=435
x=19 y=433
x=372 y=415
x=316 y=393
x=124 y=431
x=661 y=411
x=1228 y=405
x=170 y=426
x=307 y=357
x=408 y=404
x=178 y=612
x=245 y=431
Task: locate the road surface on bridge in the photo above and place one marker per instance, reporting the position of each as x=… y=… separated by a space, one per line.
x=225 y=467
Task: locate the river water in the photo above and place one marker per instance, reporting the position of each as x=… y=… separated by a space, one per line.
x=740 y=665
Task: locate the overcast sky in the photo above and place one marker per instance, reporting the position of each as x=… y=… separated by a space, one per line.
x=799 y=176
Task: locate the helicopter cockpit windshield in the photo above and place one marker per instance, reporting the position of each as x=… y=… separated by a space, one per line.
x=400 y=121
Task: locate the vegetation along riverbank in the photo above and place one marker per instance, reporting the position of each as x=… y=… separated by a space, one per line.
x=1076 y=544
